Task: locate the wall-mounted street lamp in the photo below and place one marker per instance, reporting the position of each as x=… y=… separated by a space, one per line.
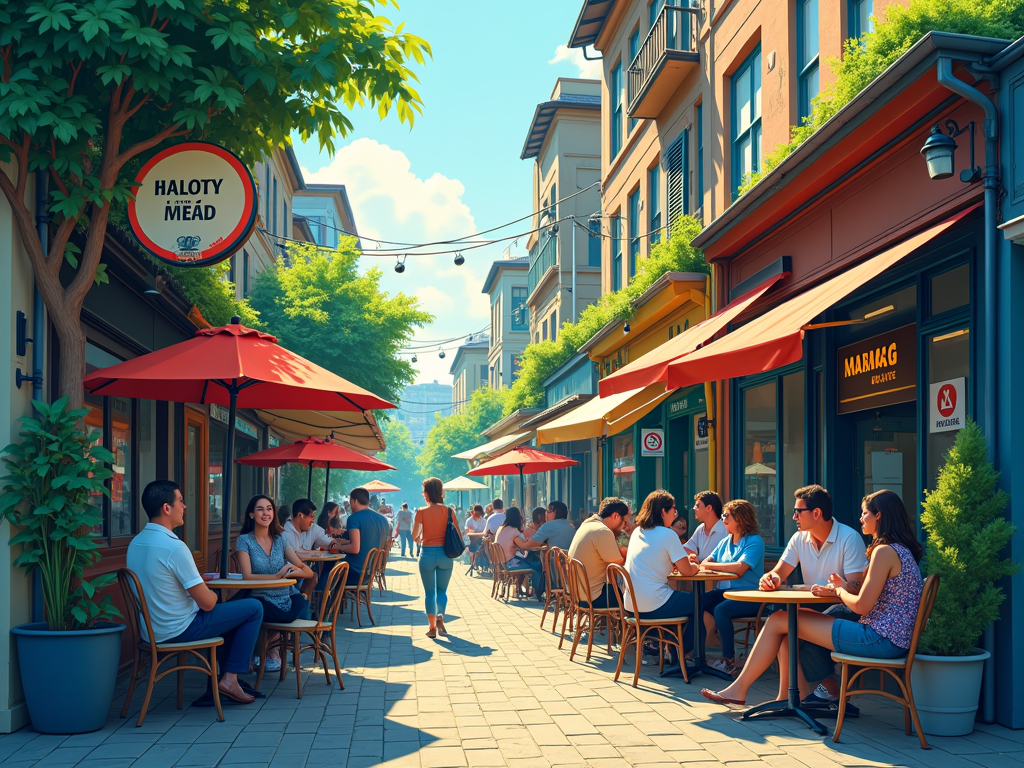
x=939 y=152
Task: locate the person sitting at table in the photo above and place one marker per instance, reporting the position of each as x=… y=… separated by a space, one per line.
x=742 y=553
x=330 y=520
x=366 y=530
x=307 y=537
x=182 y=609
x=284 y=514
x=510 y=539
x=538 y=518
x=654 y=552
x=557 y=531
x=680 y=526
x=886 y=602
x=263 y=555
x=707 y=508
x=596 y=547
x=497 y=517
x=475 y=529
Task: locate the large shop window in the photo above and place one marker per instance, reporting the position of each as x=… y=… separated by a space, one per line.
x=773 y=448
x=624 y=469
x=246 y=483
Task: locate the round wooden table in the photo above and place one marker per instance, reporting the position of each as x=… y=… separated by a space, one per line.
x=699 y=579
x=322 y=557
x=792 y=599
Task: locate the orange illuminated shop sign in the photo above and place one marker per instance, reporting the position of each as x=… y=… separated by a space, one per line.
x=878 y=371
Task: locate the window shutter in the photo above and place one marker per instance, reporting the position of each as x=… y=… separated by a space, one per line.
x=675 y=178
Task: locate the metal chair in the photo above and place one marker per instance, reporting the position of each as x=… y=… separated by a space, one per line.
x=155 y=654
x=635 y=630
x=897 y=669
x=361 y=591
x=588 y=618
x=290 y=633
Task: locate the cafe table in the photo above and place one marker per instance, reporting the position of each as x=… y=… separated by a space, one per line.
x=322 y=557
x=792 y=599
x=206 y=700
x=699 y=579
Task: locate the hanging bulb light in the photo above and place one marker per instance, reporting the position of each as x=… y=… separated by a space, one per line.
x=400 y=266
x=441 y=354
x=626 y=328
x=459 y=259
x=414 y=358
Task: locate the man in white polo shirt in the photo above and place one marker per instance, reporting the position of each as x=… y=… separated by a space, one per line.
x=821 y=546
x=497 y=518
x=707 y=508
x=302 y=534
x=181 y=607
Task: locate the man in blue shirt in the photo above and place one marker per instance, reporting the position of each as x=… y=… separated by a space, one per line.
x=366 y=530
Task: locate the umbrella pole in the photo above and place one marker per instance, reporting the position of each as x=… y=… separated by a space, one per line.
x=309 y=483
x=522 y=489
x=327 y=482
x=226 y=477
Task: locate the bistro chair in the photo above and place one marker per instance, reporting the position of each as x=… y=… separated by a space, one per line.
x=382 y=564
x=897 y=669
x=569 y=617
x=155 y=654
x=213 y=564
x=588 y=618
x=505 y=577
x=635 y=630
x=554 y=588
x=748 y=625
x=290 y=633
x=361 y=591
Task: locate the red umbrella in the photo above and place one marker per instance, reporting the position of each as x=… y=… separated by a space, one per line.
x=314 y=452
x=234 y=366
x=525 y=460
x=379 y=486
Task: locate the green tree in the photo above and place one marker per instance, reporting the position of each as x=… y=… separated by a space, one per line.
x=967 y=533
x=320 y=307
x=460 y=432
x=402 y=454
x=541 y=359
x=89 y=89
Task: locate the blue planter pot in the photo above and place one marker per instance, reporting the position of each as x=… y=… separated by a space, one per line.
x=68 y=677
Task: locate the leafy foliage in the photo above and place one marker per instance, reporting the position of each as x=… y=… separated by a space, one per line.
x=52 y=473
x=541 y=359
x=967 y=532
x=320 y=307
x=211 y=291
x=459 y=432
x=402 y=454
x=89 y=89
x=865 y=59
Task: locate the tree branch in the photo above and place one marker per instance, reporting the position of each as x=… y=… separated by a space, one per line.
x=170 y=132
x=74 y=76
x=23 y=164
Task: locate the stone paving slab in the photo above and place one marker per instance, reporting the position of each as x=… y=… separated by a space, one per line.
x=497 y=692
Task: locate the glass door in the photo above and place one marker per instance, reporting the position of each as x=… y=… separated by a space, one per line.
x=196 y=486
x=885 y=454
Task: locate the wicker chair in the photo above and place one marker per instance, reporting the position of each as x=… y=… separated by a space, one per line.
x=897 y=669
x=382 y=564
x=504 y=577
x=290 y=633
x=554 y=587
x=569 y=617
x=361 y=592
x=748 y=624
x=588 y=618
x=635 y=630
x=155 y=654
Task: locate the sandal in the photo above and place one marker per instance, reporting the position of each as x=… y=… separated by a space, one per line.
x=714 y=696
x=440 y=627
x=238 y=699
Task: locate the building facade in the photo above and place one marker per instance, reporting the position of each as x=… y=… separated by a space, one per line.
x=505 y=286
x=469 y=369
x=327 y=211
x=420 y=405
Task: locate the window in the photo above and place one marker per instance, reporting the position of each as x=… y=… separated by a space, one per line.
x=654 y=204
x=653 y=9
x=616 y=252
x=287 y=222
x=483 y=374
x=634 y=48
x=624 y=468
x=245 y=273
x=951 y=290
x=615 y=96
x=274 y=214
x=633 y=224
x=807 y=54
x=520 y=312
x=859 y=19
x=594 y=243
x=266 y=196
x=746 y=120
x=699 y=120
x=676 y=172
x=949 y=358
x=554 y=324
x=544 y=330
x=552 y=208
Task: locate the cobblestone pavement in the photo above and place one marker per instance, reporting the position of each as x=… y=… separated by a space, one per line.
x=497 y=692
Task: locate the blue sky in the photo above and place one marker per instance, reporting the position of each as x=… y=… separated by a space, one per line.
x=458 y=170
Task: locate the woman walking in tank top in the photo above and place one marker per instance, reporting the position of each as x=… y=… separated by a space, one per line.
x=429 y=528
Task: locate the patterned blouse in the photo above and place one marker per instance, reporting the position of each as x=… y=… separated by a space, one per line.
x=895 y=612
x=265 y=564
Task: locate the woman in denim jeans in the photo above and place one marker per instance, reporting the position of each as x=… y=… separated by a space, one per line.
x=887 y=603
x=429 y=527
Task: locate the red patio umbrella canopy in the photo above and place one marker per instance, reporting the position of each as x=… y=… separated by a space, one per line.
x=238 y=367
x=379 y=486
x=523 y=461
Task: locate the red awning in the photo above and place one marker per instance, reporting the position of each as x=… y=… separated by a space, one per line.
x=776 y=337
x=653 y=367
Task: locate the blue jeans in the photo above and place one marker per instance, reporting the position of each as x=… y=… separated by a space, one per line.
x=724 y=611
x=435 y=572
x=405 y=537
x=536 y=578
x=680 y=604
x=237 y=621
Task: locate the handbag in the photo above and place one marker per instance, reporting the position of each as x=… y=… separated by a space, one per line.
x=454 y=546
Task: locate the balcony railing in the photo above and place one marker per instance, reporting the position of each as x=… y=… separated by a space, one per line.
x=541 y=260
x=668 y=55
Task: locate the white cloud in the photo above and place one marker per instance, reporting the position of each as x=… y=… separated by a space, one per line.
x=574 y=56
x=391 y=202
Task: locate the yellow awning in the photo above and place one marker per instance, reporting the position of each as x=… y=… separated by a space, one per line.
x=495 y=447
x=603 y=415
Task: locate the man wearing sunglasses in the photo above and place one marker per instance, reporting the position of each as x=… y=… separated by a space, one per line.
x=821 y=546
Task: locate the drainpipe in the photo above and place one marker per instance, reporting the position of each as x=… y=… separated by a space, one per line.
x=991 y=181
x=38 y=308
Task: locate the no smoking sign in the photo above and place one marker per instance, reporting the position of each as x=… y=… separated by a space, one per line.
x=652 y=442
x=946 y=410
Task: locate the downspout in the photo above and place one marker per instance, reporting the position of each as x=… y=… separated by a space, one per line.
x=991 y=181
x=38 y=308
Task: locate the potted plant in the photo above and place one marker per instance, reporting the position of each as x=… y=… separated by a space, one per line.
x=967 y=531
x=69 y=662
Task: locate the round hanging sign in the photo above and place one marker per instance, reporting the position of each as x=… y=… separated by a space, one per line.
x=195 y=204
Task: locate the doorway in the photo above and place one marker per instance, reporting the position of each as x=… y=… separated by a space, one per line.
x=885 y=452
x=196 y=485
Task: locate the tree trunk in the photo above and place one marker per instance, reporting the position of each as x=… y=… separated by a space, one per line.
x=66 y=323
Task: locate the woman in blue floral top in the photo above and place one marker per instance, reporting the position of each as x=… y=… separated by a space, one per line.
x=263 y=555
x=887 y=603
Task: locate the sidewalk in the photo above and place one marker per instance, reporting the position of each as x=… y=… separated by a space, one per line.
x=497 y=692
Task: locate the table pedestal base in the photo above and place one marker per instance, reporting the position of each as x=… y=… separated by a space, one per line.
x=783 y=709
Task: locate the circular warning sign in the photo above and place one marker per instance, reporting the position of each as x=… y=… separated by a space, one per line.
x=652 y=442
x=945 y=401
x=195 y=204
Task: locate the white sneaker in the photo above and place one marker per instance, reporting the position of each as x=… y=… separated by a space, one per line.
x=722 y=666
x=822 y=693
x=273 y=665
